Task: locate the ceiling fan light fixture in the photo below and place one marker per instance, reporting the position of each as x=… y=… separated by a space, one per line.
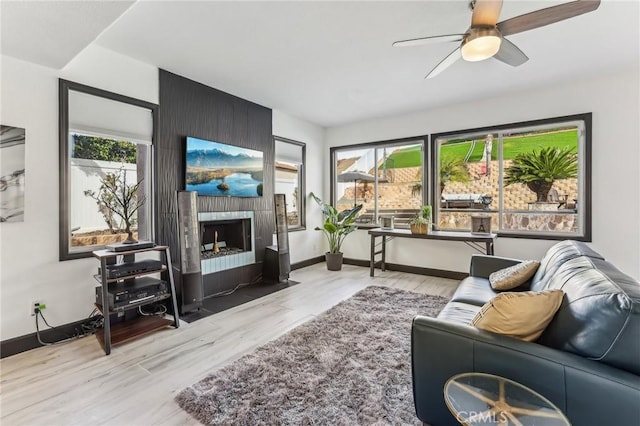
x=481 y=44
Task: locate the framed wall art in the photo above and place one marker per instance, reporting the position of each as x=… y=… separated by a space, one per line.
x=12 y=166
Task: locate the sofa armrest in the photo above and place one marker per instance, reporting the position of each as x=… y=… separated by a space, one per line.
x=588 y=392
x=483 y=265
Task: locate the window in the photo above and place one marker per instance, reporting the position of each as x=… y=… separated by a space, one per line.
x=101 y=168
x=289 y=179
x=385 y=177
x=106 y=164
x=531 y=179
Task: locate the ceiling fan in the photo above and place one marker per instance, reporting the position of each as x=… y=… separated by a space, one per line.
x=485 y=38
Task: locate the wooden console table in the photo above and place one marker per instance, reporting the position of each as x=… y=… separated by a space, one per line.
x=472 y=240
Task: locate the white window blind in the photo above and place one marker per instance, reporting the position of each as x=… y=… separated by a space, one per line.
x=107 y=118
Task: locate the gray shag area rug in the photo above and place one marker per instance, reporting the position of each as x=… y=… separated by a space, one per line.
x=350 y=365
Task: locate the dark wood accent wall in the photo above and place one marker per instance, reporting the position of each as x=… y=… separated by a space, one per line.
x=188 y=108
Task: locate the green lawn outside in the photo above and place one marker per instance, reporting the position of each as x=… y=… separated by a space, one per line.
x=460 y=150
x=517 y=145
x=410 y=156
x=512 y=146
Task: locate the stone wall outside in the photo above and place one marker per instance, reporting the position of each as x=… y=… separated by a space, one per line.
x=513 y=221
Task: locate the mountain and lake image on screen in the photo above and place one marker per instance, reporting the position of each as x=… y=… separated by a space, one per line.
x=218 y=169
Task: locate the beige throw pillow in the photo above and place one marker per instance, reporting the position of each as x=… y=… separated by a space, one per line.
x=523 y=315
x=513 y=276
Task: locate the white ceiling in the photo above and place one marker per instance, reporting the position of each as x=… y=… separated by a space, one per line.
x=51 y=33
x=332 y=62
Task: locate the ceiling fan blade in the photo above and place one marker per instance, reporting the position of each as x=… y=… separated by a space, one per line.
x=547 y=16
x=510 y=54
x=486 y=12
x=445 y=63
x=428 y=40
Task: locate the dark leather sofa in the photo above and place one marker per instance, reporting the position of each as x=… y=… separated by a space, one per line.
x=587 y=362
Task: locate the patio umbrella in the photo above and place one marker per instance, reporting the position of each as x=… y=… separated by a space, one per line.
x=355 y=176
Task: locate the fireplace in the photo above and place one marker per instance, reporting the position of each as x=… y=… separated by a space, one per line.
x=227 y=240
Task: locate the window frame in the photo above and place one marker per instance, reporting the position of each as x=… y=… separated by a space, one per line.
x=302 y=179
x=64 y=87
x=426 y=153
x=584 y=168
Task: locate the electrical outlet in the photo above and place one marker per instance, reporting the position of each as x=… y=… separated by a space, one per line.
x=36 y=304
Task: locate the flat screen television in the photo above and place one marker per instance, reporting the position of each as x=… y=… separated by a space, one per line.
x=218 y=169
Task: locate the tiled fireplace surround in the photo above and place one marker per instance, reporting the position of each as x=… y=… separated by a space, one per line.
x=237 y=230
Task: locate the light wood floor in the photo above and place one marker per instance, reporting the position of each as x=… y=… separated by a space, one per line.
x=76 y=384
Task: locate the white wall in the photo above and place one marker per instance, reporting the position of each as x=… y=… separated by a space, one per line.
x=615 y=104
x=29 y=268
x=308 y=243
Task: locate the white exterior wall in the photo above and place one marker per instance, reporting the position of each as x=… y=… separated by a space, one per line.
x=29 y=268
x=613 y=99
x=86 y=175
x=287 y=187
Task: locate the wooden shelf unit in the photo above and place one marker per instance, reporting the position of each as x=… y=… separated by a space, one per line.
x=124 y=331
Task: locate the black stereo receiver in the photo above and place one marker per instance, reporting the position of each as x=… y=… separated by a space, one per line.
x=126 y=293
x=126 y=269
x=118 y=247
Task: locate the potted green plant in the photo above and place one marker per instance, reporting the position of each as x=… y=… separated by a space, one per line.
x=336 y=227
x=421 y=223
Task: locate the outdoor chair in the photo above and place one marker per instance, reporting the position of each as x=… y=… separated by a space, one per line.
x=553 y=197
